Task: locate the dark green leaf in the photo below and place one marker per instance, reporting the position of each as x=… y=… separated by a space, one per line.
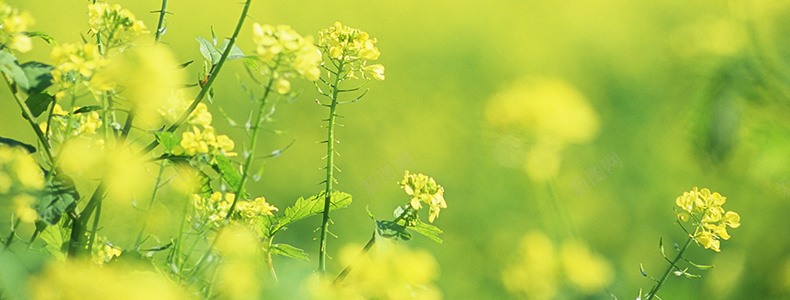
x=314 y=205
x=46 y=37
x=290 y=251
x=428 y=230
x=389 y=229
x=9 y=65
x=60 y=197
x=209 y=51
x=225 y=168
x=38 y=103
x=39 y=76
x=87 y=108
x=15 y=143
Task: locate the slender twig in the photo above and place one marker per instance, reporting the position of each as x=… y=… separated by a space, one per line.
x=250 y=152
x=672 y=265
x=157 y=185
x=212 y=76
x=160 y=26
x=29 y=117
x=330 y=168
x=344 y=273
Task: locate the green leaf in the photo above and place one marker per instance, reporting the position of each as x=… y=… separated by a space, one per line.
x=9 y=65
x=61 y=197
x=54 y=236
x=225 y=168
x=167 y=139
x=428 y=230
x=15 y=143
x=209 y=51
x=290 y=251
x=38 y=103
x=235 y=51
x=46 y=37
x=39 y=76
x=314 y=205
x=389 y=229
x=87 y=108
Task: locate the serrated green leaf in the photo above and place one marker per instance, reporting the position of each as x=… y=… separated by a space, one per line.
x=314 y=205
x=290 y=251
x=39 y=76
x=225 y=168
x=428 y=230
x=38 y=103
x=209 y=51
x=53 y=236
x=9 y=65
x=213 y=36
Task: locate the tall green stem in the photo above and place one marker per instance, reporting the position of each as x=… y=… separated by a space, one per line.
x=330 y=168
x=245 y=172
x=29 y=117
x=672 y=266
x=161 y=23
x=212 y=76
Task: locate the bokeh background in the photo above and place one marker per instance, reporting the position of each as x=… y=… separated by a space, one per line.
x=685 y=93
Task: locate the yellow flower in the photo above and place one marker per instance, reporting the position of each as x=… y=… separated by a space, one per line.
x=377 y=71
x=732 y=219
x=200 y=116
x=708 y=241
x=282 y=86
x=424 y=189
x=21 y=43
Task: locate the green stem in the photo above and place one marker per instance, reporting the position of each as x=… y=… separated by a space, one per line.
x=344 y=273
x=138 y=242
x=212 y=76
x=159 y=28
x=11 y=234
x=330 y=168
x=245 y=172
x=672 y=266
x=29 y=117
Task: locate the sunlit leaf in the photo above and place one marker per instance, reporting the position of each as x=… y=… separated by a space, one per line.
x=290 y=251
x=314 y=205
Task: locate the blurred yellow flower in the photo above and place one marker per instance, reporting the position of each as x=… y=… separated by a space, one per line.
x=15 y=24
x=588 y=271
x=285 y=50
x=20 y=180
x=116 y=26
x=535 y=274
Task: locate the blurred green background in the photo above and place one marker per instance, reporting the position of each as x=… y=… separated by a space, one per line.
x=688 y=93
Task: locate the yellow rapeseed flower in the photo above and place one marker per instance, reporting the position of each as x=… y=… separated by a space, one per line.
x=711 y=220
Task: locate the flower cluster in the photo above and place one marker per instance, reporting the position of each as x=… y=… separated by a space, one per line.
x=704 y=208
x=75 y=64
x=286 y=53
x=203 y=141
x=424 y=189
x=214 y=209
x=104 y=251
x=20 y=180
x=352 y=48
x=257 y=207
x=79 y=123
x=116 y=26
x=14 y=28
